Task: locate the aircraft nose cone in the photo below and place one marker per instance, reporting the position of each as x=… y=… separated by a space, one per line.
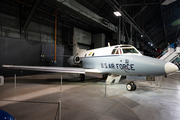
x=170 y=68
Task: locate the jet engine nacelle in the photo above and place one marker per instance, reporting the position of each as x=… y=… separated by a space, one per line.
x=74 y=60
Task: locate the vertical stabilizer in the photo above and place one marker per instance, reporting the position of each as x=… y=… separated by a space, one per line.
x=75 y=46
x=76 y=50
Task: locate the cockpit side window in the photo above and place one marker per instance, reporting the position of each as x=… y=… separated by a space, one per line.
x=118 y=51
x=113 y=51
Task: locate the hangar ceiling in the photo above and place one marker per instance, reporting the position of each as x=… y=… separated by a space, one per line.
x=157 y=20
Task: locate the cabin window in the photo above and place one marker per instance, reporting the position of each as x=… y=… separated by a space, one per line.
x=129 y=50
x=93 y=54
x=120 y=51
x=117 y=52
x=113 y=51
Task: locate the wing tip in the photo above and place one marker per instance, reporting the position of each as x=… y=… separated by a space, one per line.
x=7 y=66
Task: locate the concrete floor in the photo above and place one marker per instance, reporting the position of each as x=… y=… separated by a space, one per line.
x=36 y=97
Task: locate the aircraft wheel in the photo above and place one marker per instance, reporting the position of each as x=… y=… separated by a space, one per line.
x=133 y=85
x=129 y=86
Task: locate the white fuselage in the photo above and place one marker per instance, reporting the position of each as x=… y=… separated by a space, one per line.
x=122 y=60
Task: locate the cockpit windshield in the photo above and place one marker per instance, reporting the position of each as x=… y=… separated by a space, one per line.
x=125 y=49
x=129 y=50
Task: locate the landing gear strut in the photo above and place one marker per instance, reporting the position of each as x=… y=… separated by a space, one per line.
x=131 y=86
x=82 y=76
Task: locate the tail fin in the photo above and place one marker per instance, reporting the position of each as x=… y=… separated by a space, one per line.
x=75 y=46
x=76 y=50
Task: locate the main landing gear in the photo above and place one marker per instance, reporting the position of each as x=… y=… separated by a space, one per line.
x=131 y=86
x=82 y=77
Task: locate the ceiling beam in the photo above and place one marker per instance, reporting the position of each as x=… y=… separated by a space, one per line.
x=31 y=15
x=142 y=9
x=129 y=20
x=164 y=28
x=80 y=14
x=139 y=4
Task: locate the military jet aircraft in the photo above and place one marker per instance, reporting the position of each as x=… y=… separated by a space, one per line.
x=112 y=60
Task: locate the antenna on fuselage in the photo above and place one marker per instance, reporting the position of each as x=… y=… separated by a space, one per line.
x=109 y=44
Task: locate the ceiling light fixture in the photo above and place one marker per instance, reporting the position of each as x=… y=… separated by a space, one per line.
x=117 y=13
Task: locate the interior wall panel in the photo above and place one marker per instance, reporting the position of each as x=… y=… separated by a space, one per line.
x=23 y=52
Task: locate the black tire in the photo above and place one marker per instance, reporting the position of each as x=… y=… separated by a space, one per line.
x=134 y=87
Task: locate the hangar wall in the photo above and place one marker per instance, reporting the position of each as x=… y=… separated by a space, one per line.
x=42 y=31
x=23 y=52
x=25 y=47
x=98 y=40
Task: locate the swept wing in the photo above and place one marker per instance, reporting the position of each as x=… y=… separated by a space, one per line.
x=48 y=69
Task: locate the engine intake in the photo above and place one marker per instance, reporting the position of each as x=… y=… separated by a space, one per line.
x=74 y=60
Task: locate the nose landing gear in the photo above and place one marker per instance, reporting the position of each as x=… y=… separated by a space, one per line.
x=131 y=86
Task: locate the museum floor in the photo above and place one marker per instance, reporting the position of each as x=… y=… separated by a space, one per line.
x=36 y=98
